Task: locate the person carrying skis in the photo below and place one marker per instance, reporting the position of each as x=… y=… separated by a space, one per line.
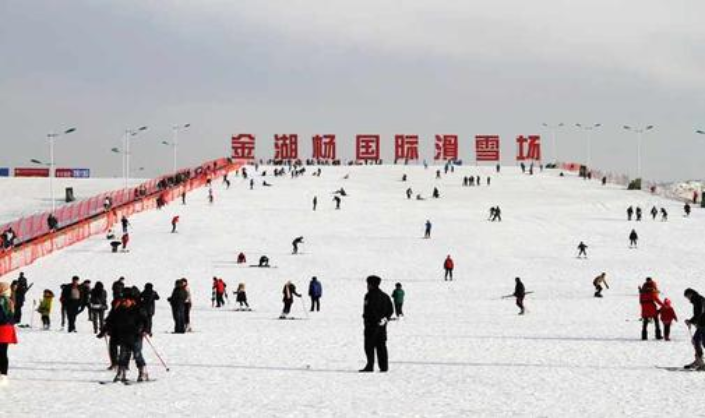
x=582 y=249
x=288 y=293
x=630 y=213
x=377 y=311
x=667 y=315
x=8 y=334
x=44 y=308
x=633 y=238
x=218 y=291
x=295 y=244
x=315 y=291
x=98 y=304
x=649 y=301
x=698 y=321
x=598 y=283
x=427 y=231
x=398 y=298
x=242 y=296
x=148 y=299
x=174 y=221
x=448 y=266
x=519 y=294
x=178 y=306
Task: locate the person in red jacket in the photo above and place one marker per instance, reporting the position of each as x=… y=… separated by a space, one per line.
x=125 y=240
x=668 y=315
x=649 y=300
x=219 y=291
x=448 y=266
x=7 y=329
x=174 y=221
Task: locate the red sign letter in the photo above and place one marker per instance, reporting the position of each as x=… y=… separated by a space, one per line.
x=286 y=147
x=367 y=147
x=243 y=146
x=406 y=147
x=487 y=148
x=324 y=147
x=446 y=147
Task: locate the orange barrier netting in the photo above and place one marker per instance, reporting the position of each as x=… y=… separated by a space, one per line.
x=91 y=223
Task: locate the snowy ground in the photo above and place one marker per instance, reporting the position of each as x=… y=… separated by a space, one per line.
x=27 y=196
x=461 y=351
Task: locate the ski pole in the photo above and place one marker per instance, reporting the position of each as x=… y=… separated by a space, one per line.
x=303 y=307
x=156 y=352
x=34 y=307
x=107 y=347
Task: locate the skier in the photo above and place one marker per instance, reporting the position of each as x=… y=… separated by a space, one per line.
x=20 y=296
x=427 y=232
x=598 y=283
x=125 y=223
x=582 y=249
x=377 y=311
x=315 y=291
x=126 y=324
x=188 y=304
x=398 y=298
x=218 y=291
x=667 y=315
x=638 y=214
x=242 y=296
x=183 y=197
x=633 y=238
x=315 y=202
x=664 y=215
x=71 y=296
x=497 y=215
x=648 y=298
x=263 y=261
x=210 y=196
x=148 y=299
x=52 y=222
x=448 y=266
x=491 y=217
x=98 y=304
x=630 y=213
x=124 y=240
x=697 y=320
x=409 y=192
x=295 y=244
x=174 y=221
x=252 y=183
x=178 y=306
x=436 y=193
x=288 y=293
x=8 y=334
x=241 y=259
x=686 y=209
x=44 y=308
x=654 y=212
x=336 y=199
x=519 y=294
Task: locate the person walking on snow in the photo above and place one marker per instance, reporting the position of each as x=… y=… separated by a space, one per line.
x=398 y=298
x=698 y=321
x=633 y=238
x=630 y=213
x=20 y=295
x=582 y=250
x=376 y=314
x=664 y=215
x=448 y=266
x=148 y=299
x=667 y=315
x=288 y=293
x=638 y=214
x=178 y=306
x=219 y=289
x=295 y=244
x=315 y=203
x=174 y=221
x=654 y=212
x=125 y=224
x=44 y=308
x=598 y=283
x=649 y=301
x=427 y=232
x=8 y=334
x=98 y=304
x=315 y=291
x=242 y=296
x=686 y=209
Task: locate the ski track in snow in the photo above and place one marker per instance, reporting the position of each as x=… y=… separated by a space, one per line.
x=462 y=351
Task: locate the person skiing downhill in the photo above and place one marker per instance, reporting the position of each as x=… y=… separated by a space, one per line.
x=315 y=291
x=288 y=293
x=376 y=314
x=598 y=283
x=698 y=321
x=448 y=266
x=295 y=244
x=633 y=238
x=582 y=249
x=649 y=301
x=427 y=231
x=667 y=315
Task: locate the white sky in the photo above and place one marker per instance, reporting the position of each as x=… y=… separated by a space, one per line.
x=413 y=66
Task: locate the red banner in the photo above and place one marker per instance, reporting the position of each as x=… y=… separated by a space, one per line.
x=31 y=172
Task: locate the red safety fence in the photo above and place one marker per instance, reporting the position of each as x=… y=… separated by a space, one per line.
x=81 y=220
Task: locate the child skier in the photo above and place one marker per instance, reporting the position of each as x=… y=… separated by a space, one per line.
x=44 y=308
x=668 y=315
x=242 y=296
x=398 y=298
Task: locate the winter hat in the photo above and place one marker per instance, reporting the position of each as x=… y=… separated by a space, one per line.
x=5 y=289
x=667 y=302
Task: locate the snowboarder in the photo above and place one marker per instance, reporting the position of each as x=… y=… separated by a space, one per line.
x=686 y=209
x=630 y=213
x=148 y=299
x=288 y=293
x=633 y=239
x=315 y=291
x=448 y=266
x=638 y=214
x=241 y=259
x=336 y=199
x=582 y=249
x=654 y=212
x=174 y=221
x=667 y=315
x=315 y=202
x=242 y=296
x=295 y=244
x=398 y=298
x=648 y=299
x=519 y=294
x=697 y=320
x=98 y=304
x=377 y=312
x=427 y=232
x=598 y=283
x=44 y=308
x=263 y=261
x=664 y=215
x=8 y=334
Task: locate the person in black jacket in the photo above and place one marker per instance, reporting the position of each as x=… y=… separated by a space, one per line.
x=125 y=324
x=71 y=298
x=377 y=312
x=147 y=299
x=20 y=296
x=178 y=306
x=98 y=304
x=697 y=320
x=519 y=294
x=288 y=293
x=295 y=244
x=118 y=287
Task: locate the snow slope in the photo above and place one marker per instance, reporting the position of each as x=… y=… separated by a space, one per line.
x=461 y=351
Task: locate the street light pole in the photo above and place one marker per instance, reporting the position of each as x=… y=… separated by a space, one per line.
x=51 y=137
x=588 y=129
x=553 y=129
x=175 y=140
x=126 y=149
x=640 y=136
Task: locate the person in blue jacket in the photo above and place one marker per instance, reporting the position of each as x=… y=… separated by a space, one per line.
x=315 y=291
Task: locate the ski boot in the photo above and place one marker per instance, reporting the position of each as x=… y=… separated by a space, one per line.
x=143 y=376
x=121 y=375
x=698 y=364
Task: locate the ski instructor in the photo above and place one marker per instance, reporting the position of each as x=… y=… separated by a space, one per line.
x=377 y=311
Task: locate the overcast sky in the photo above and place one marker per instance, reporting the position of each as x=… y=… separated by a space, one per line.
x=347 y=67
